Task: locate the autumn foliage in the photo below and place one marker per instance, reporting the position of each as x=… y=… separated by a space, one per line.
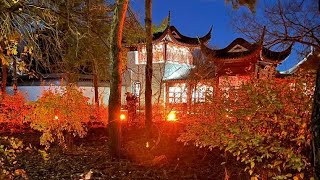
x=13 y=109
x=99 y=116
x=60 y=112
x=265 y=124
x=9 y=149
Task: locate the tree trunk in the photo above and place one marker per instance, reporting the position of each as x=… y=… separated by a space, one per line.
x=226 y=173
x=15 y=78
x=4 y=78
x=148 y=88
x=115 y=80
x=95 y=85
x=1 y=71
x=69 y=142
x=315 y=128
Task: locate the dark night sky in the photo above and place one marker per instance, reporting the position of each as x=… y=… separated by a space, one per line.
x=195 y=17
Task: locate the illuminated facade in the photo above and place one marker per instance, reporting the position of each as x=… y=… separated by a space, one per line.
x=187 y=71
x=173 y=59
x=241 y=60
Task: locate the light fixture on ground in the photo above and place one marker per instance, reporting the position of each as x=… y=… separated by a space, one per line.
x=172 y=116
x=123 y=117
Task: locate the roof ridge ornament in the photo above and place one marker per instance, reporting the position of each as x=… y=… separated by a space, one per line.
x=199 y=40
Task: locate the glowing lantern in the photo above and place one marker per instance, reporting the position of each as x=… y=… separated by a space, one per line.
x=123 y=117
x=147 y=145
x=172 y=116
x=56 y=117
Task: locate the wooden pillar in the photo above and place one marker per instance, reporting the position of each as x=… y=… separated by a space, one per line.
x=165 y=50
x=167 y=93
x=189 y=96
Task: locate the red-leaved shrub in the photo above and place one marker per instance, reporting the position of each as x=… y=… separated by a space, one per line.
x=13 y=109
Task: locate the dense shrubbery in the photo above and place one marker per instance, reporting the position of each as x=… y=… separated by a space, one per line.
x=99 y=116
x=13 y=110
x=264 y=124
x=59 y=113
x=9 y=148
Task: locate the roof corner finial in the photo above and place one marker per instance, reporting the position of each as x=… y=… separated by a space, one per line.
x=199 y=40
x=263 y=34
x=169 y=19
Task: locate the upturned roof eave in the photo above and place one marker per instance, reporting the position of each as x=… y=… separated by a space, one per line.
x=169 y=29
x=252 y=48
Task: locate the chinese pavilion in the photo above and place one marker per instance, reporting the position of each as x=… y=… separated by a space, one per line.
x=173 y=58
x=186 y=70
x=242 y=60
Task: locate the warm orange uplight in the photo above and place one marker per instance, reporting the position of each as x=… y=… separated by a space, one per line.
x=172 y=116
x=56 y=117
x=147 y=145
x=123 y=117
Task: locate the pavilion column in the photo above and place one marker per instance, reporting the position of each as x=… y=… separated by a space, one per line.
x=166 y=93
x=165 y=50
x=189 y=96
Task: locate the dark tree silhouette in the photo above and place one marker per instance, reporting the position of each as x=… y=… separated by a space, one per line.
x=116 y=72
x=148 y=88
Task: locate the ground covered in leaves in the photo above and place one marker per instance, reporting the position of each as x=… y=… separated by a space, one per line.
x=162 y=157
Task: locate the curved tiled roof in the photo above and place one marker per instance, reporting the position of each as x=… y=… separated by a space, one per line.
x=249 y=48
x=276 y=56
x=222 y=54
x=239 y=41
x=180 y=38
x=309 y=63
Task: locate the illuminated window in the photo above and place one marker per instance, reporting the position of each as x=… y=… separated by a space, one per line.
x=178 y=93
x=201 y=93
x=178 y=54
x=158 y=54
x=137 y=88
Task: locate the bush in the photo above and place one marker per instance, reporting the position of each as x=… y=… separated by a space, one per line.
x=9 y=148
x=13 y=110
x=265 y=124
x=99 y=117
x=60 y=113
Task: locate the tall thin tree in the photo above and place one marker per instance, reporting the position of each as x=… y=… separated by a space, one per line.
x=148 y=85
x=115 y=81
x=315 y=128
